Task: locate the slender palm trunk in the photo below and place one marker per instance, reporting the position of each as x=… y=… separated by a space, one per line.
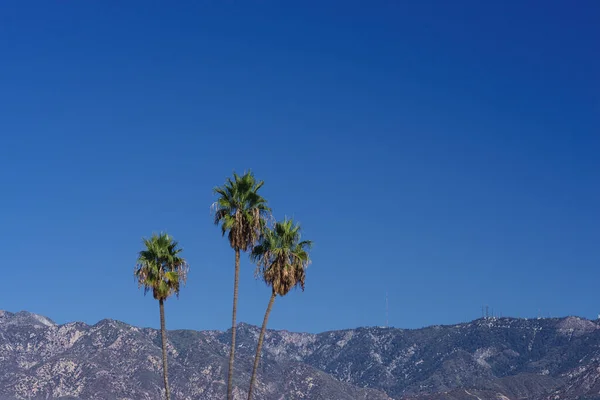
x=261 y=337
x=163 y=334
x=233 y=327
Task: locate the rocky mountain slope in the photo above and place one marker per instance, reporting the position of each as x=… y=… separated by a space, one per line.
x=487 y=359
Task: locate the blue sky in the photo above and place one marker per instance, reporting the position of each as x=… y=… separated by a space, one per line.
x=444 y=152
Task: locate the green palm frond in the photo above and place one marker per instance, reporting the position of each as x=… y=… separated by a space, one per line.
x=282 y=257
x=241 y=210
x=160 y=268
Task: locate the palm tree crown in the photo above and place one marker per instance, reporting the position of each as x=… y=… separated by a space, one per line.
x=240 y=210
x=282 y=257
x=160 y=268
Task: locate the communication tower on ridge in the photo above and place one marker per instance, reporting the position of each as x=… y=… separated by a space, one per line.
x=387 y=310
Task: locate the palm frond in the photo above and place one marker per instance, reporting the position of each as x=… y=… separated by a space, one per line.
x=240 y=210
x=282 y=257
x=159 y=267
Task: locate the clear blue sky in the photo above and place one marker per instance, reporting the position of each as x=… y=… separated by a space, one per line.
x=445 y=152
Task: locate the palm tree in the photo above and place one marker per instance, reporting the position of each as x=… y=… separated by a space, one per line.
x=242 y=212
x=160 y=269
x=282 y=259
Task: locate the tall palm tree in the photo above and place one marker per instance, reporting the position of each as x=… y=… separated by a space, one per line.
x=242 y=213
x=282 y=258
x=160 y=269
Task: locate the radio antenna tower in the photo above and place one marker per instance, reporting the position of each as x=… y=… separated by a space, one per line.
x=387 y=310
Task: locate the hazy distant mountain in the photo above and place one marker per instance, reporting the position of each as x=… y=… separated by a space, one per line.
x=486 y=359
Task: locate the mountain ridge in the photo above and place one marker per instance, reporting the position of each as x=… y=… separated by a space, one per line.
x=243 y=323
x=490 y=357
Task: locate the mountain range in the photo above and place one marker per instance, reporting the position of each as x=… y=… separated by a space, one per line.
x=489 y=358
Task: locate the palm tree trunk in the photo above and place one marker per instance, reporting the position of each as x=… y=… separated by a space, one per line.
x=261 y=337
x=233 y=325
x=163 y=334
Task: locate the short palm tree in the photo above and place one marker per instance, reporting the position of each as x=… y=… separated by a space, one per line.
x=161 y=269
x=242 y=213
x=282 y=258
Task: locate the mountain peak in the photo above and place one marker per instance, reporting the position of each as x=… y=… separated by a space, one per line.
x=25 y=318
